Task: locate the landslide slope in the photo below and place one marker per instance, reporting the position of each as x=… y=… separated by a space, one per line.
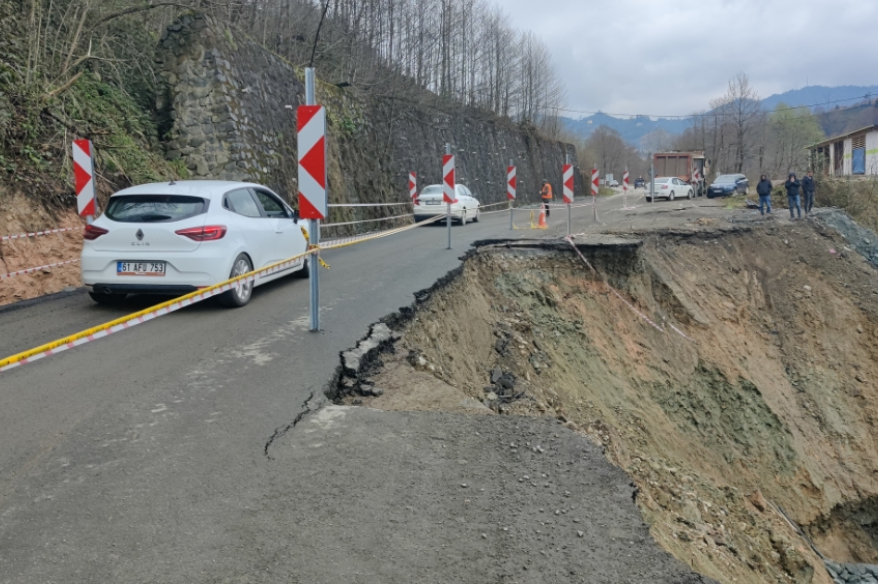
x=761 y=402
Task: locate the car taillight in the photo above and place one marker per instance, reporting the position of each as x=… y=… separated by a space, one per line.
x=206 y=233
x=417 y=201
x=91 y=232
x=664 y=186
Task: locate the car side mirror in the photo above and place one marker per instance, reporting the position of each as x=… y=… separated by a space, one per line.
x=296 y=216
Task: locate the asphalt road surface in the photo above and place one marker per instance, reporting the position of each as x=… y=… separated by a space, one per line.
x=164 y=453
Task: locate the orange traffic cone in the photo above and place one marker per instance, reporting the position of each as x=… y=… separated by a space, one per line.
x=542 y=223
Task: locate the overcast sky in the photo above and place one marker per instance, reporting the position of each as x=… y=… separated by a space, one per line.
x=674 y=56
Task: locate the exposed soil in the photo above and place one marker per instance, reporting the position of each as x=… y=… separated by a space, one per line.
x=18 y=215
x=750 y=395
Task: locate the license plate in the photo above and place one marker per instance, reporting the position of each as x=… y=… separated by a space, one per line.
x=140 y=268
x=433 y=202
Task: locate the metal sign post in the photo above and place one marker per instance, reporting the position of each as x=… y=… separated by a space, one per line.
x=84 y=176
x=651 y=177
x=567 y=175
x=311 y=123
x=595 y=189
x=511 y=188
x=413 y=186
x=448 y=190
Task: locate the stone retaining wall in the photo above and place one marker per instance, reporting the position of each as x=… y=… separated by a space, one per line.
x=227 y=110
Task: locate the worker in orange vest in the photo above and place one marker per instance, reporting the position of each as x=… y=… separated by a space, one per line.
x=546 y=194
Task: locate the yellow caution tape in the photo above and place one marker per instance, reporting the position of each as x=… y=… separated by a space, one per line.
x=170 y=306
x=147 y=314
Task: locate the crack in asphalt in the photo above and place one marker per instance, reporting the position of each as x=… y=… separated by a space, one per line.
x=278 y=433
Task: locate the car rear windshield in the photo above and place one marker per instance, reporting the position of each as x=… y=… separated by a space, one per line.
x=662 y=180
x=726 y=178
x=154 y=208
x=432 y=190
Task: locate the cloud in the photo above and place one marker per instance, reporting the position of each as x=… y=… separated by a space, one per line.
x=656 y=57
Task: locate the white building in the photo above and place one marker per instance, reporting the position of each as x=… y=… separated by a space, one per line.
x=854 y=153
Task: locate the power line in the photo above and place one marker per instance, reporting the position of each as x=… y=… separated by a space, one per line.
x=707 y=115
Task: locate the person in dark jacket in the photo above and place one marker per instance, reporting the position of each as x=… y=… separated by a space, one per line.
x=808 y=188
x=793 y=186
x=763 y=189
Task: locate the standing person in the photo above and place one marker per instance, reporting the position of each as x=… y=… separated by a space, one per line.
x=792 y=186
x=546 y=194
x=763 y=189
x=808 y=188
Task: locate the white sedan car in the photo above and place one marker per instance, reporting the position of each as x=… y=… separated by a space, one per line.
x=174 y=238
x=430 y=203
x=671 y=188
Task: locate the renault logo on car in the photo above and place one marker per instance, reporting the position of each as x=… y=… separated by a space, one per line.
x=139 y=235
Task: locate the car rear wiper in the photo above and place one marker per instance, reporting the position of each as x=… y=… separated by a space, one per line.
x=153 y=217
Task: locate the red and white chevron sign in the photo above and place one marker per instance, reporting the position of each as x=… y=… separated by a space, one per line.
x=568 y=183
x=83 y=173
x=625 y=181
x=312 y=162
x=448 y=194
x=413 y=185
x=511 y=182
x=594 y=182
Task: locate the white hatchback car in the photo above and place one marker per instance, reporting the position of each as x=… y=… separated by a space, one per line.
x=430 y=203
x=670 y=187
x=174 y=238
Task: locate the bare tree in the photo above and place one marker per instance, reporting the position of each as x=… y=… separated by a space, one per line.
x=743 y=110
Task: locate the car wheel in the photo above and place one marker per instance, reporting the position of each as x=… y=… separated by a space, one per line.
x=671 y=197
x=305 y=272
x=649 y=199
x=107 y=299
x=689 y=194
x=463 y=218
x=476 y=218
x=241 y=292
x=746 y=191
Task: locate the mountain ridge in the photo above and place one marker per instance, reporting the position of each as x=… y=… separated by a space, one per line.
x=823 y=100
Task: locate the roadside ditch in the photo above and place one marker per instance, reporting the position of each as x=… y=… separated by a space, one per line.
x=732 y=374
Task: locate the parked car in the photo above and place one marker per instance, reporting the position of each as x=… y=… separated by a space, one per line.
x=614 y=183
x=670 y=187
x=174 y=238
x=729 y=184
x=639 y=183
x=430 y=203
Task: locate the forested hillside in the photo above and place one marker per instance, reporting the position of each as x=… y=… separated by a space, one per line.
x=86 y=68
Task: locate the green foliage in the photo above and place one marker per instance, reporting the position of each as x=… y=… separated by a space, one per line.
x=793 y=129
x=228 y=34
x=34 y=152
x=123 y=133
x=857 y=196
x=98 y=85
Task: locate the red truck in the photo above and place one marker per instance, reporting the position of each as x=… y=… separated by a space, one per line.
x=690 y=167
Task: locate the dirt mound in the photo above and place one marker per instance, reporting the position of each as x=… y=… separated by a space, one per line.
x=20 y=215
x=732 y=375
